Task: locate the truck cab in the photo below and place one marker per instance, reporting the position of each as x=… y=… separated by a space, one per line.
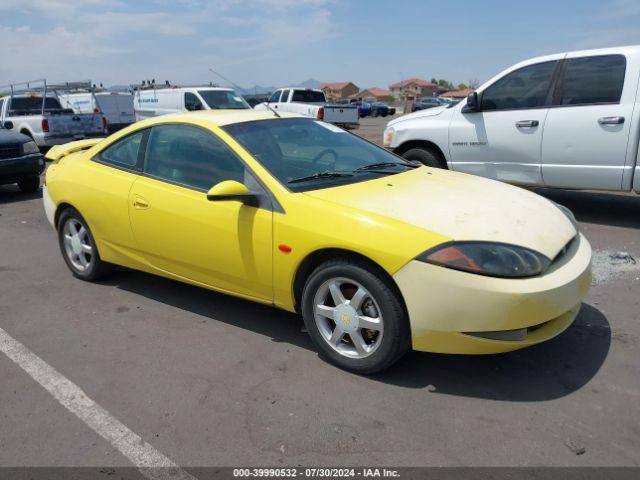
x=567 y=121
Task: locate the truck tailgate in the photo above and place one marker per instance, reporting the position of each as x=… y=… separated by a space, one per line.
x=77 y=125
x=341 y=114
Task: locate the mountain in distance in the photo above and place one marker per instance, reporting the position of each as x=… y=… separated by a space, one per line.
x=258 y=89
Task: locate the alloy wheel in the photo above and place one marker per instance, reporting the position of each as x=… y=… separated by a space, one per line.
x=348 y=317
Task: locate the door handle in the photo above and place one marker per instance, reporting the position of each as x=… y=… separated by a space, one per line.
x=527 y=123
x=610 y=120
x=140 y=203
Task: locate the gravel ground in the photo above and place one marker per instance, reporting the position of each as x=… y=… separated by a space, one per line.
x=211 y=380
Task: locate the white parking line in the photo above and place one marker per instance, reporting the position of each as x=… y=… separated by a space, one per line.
x=142 y=455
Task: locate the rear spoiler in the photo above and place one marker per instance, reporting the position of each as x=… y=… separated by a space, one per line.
x=59 y=151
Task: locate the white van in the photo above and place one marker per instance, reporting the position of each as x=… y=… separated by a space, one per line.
x=161 y=101
x=117 y=107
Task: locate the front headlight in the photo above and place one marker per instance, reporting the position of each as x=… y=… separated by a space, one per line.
x=486 y=258
x=387 y=138
x=30 y=147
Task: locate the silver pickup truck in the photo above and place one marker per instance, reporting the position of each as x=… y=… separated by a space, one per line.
x=46 y=122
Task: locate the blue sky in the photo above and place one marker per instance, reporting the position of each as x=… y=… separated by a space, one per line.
x=279 y=42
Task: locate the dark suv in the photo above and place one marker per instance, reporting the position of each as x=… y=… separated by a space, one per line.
x=20 y=160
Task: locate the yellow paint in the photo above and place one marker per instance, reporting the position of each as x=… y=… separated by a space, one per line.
x=232 y=248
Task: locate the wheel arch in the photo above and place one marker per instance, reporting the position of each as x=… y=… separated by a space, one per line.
x=317 y=257
x=424 y=144
x=59 y=209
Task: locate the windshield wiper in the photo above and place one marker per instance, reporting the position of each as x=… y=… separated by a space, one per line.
x=376 y=166
x=321 y=175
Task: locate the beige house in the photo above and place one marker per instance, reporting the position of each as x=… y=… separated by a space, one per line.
x=373 y=93
x=339 y=90
x=412 y=89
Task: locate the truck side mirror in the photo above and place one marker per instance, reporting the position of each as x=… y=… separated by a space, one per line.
x=473 y=103
x=8 y=125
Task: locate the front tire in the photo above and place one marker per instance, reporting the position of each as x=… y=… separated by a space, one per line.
x=354 y=316
x=29 y=184
x=78 y=247
x=425 y=156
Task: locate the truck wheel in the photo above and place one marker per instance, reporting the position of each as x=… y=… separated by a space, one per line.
x=425 y=156
x=354 y=316
x=29 y=184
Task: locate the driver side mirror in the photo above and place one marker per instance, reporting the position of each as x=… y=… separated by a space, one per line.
x=232 y=190
x=473 y=103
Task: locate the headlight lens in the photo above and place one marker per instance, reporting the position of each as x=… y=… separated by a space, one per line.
x=388 y=137
x=30 y=147
x=492 y=259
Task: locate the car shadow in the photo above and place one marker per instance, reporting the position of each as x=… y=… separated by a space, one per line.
x=543 y=372
x=603 y=208
x=12 y=194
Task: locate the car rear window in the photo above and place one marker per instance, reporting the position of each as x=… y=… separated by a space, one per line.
x=34 y=104
x=308 y=96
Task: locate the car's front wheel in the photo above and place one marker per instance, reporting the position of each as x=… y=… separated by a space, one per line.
x=355 y=316
x=79 y=248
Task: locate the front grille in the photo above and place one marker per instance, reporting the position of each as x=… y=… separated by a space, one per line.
x=10 y=151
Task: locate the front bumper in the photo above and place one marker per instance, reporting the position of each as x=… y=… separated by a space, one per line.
x=443 y=304
x=14 y=169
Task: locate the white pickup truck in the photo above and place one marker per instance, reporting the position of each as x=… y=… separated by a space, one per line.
x=570 y=120
x=47 y=123
x=311 y=103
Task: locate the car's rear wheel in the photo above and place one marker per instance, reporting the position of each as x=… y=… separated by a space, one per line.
x=355 y=316
x=79 y=248
x=29 y=184
x=424 y=156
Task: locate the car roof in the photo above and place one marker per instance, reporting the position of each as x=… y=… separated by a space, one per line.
x=219 y=117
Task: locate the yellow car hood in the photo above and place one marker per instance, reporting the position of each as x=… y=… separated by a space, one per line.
x=461 y=207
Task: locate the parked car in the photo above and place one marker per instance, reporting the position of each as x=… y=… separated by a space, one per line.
x=426 y=103
x=570 y=120
x=379 y=109
x=20 y=161
x=45 y=121
x=117 y=107
x=254 y=100
x=365 y=109
x=311 y=103
x=375 y=255
x=152 y=102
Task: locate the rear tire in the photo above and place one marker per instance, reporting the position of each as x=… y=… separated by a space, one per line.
x=365 y=298
x=29 y=184
x=425 y=156
x=78 y=247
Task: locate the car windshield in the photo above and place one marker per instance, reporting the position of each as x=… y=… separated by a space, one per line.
x=305 y=154
x=223 y=99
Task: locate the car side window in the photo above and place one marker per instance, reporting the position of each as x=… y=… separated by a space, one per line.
x=527 y=87
x=285 y=96
x=593 y=80
x=124 y=152
x=192 y=102
x=190 y=156
x=275 y=96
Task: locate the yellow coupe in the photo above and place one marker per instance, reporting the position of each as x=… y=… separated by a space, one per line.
x=376 y=253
